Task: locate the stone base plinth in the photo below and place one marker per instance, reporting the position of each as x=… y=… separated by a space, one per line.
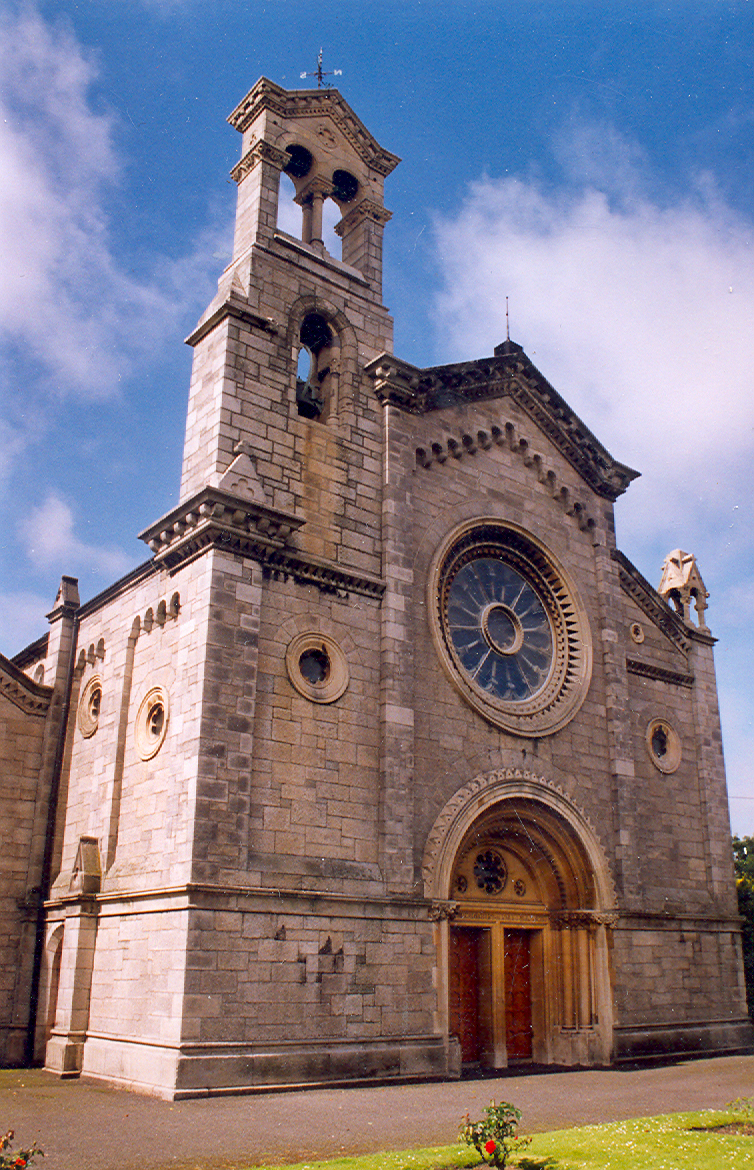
x=199 y=1070
x=64 y=1054
x=707 y=1038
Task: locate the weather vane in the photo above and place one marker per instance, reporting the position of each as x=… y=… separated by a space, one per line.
x=321 y=73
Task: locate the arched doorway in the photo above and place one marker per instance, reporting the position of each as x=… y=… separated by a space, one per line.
x=524 y=903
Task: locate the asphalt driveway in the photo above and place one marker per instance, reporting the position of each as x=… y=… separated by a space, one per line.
x=83 y=1125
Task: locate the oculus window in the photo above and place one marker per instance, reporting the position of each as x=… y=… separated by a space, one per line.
x=512 y=634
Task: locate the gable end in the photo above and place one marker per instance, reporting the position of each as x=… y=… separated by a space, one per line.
x=508 y=374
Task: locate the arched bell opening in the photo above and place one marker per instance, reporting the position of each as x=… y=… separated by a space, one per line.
x=522 y=938
x=315 y=367
x=289 y=214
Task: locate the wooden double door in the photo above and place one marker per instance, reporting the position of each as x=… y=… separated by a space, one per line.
x=478 y=989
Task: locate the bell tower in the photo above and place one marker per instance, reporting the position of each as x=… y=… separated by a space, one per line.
x=279 y=353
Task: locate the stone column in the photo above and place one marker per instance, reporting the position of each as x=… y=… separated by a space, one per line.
x=312 y=200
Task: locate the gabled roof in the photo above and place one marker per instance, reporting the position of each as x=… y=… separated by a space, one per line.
x=510 y=373
x=313 y=103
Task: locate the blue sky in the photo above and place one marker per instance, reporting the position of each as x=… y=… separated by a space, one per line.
x=592 y=161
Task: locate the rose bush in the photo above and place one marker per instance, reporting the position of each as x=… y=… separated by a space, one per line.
x=16 y=1159
x=494 y=1137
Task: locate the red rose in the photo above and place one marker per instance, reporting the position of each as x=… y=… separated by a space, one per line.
x=490 y=1146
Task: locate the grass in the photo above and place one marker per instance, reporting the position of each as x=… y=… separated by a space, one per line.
x=675 y=1141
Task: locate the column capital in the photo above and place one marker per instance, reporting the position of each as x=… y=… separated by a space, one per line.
x=259 y=151
x=367 y=209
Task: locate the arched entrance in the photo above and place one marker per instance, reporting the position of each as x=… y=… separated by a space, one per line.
x=524 y=901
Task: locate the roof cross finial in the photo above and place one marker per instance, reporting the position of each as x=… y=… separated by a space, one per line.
x=321 y=73
x=507 y=322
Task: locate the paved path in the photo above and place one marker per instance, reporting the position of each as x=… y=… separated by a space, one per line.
x=86 y=1126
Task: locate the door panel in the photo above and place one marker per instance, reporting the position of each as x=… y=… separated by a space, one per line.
x=468 y=983
x=518 y=1016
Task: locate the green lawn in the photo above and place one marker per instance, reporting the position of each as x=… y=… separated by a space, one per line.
x=676 y=1141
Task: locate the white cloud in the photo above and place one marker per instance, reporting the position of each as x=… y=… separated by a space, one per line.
x=638 y=312
x=57 y=159
x=73 y=321
x=50 y=542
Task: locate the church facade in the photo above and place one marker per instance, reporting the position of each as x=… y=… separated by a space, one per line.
x=387 y=762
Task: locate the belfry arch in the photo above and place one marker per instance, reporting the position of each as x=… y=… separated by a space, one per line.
x=523 y=901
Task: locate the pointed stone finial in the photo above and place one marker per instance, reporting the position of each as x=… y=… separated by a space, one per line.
x=67 y=600
x=681 y=581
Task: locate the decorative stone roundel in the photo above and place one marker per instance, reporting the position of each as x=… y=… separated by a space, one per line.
x=152 y=722
x=511 y=632
x=89 y=706
x=663 y=745
x=317 y=667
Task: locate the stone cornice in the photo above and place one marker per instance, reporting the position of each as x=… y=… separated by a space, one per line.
x=326 y=575
x=259 y=151
x=283 y=900
x=656 y=608
x=659 y=673
x=213 y=517
x=313 y=103
x=30 y=697
x=508 y=374
x=217 y=519
x=582 y=919
x=231 y=307
x=669 y=919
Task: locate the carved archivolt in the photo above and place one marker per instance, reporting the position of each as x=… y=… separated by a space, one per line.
x=506 y=787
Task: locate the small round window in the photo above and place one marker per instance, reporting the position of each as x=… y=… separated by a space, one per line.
x=151 y=723
x=663 y=745
x=317 y=667
x=89 y=706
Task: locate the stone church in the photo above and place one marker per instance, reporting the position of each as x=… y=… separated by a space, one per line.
x=387 y=762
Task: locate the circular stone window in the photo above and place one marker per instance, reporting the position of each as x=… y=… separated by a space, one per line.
x=512 y=634
x=89 y=706
x=664 y=745
x=490 y=871
x=317 y=667
x=151 y=722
